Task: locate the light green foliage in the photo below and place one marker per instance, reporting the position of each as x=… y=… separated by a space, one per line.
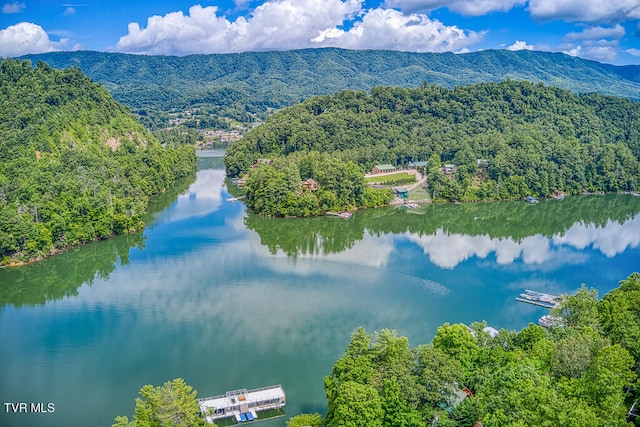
x=306 y=420
x=580 y=309
x=173 y=404
x=456 y=341
x=355 y=405
x=75 y=166
x=619 y=314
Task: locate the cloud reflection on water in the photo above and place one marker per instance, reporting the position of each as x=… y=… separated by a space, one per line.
x=447 y=250
x=203 y=197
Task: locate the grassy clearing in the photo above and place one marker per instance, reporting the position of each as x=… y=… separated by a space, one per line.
x=396 y=178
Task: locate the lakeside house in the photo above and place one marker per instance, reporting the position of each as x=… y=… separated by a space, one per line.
x=415 y=165
x=449 y=169
x=310 y=184
x=386 y=168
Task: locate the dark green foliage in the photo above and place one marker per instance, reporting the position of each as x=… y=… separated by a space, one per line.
x=531 y=139
x=75 y=166
x=244 y=87
x=573 y=376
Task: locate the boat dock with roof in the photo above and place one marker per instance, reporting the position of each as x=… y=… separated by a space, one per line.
x=243 y=405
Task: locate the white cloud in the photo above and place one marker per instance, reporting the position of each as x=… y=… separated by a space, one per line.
x=415 y=32
x=70 y=10
x=634 y=52
x=15 y=7
x=600 y=50
x=521 y=45
x=24 y=38
x=585 y=10
x=447 y=250
x=464 y=7
x=289 y=24
x=597 y=33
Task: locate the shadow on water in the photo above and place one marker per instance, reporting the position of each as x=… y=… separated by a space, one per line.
x=515 y=221
x=62 y=275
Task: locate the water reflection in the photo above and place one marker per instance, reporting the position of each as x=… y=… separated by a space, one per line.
x=203 y=197
x=61 y=275
x=450 y=234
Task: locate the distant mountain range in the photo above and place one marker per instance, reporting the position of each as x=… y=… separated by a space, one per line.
x=244 y=85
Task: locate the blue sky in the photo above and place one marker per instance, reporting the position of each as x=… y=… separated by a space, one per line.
x=602 y=30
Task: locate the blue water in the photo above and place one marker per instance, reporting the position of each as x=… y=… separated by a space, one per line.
x=201 y=296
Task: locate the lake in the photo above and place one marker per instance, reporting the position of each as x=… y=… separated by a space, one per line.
x=226 y=299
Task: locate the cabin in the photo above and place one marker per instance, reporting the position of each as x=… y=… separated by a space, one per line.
x=449 y=169
x=416 y=165
x=260 y=162
x=310 y=184
x=243 y=404
x=386 y=168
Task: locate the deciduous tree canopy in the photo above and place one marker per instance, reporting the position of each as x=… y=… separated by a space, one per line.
x=578 y=375
x=507 y=140
x=75 y=166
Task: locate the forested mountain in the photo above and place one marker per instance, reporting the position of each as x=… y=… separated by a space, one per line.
x=75 y=166
x=245 y=86
x=531 y=139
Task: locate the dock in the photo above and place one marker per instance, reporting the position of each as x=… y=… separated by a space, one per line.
x=539 y=298
x=549 y=321
x=243 y=405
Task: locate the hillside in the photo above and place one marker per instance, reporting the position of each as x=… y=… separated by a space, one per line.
x=245 y=86
x=532 y=139
x=75 y=166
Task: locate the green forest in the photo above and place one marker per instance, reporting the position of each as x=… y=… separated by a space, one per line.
x=582 y=373
x=75 y=166
x=226 y=90
x=507 y=140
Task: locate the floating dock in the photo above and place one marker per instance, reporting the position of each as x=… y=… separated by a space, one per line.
x=242 y=405
x=539 y=298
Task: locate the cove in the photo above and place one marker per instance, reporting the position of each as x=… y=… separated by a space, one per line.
x=226 y=299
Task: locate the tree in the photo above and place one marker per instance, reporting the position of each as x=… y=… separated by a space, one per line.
x=355 y=405
x=306 y=420
x=580 y=309
x=456 y=341
x=172 y=404
x=619 y=314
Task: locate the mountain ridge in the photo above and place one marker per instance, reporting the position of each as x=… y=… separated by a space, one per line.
x=247 y=85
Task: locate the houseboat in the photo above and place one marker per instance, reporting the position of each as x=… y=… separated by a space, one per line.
x=242 y=405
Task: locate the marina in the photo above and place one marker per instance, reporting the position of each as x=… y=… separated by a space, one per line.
x=239 y=406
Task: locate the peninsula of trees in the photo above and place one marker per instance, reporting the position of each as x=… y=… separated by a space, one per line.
x=506 y=140
x=75 y=166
